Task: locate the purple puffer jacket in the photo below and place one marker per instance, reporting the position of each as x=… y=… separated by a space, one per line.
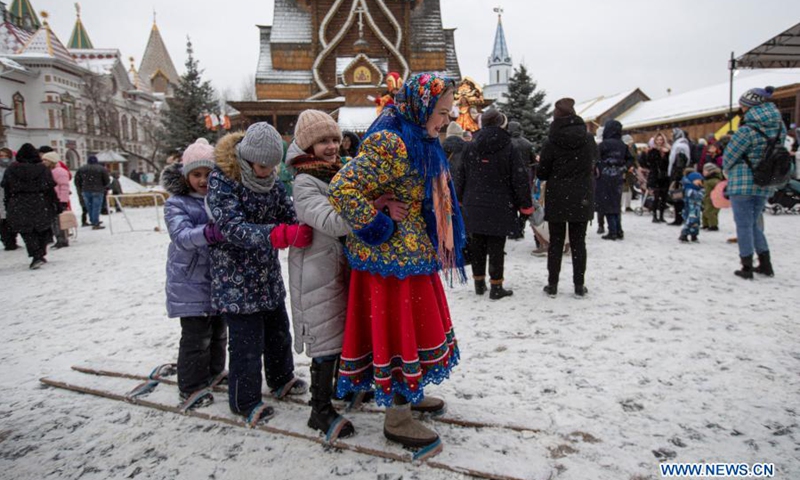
x=188 y=265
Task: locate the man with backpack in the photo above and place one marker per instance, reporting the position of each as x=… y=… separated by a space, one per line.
x=755 y=146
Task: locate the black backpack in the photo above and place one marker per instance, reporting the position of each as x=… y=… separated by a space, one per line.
x=775 y=167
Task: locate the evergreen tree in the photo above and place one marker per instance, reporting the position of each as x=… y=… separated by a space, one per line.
x=524 y=104
x=184 y=121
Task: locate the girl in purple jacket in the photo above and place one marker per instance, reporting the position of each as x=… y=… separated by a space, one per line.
x=201 y=356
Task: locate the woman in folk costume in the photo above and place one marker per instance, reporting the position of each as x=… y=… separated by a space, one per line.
x=398 y=333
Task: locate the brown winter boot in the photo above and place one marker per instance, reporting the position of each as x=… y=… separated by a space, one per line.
x=429 y=405
x=399 y=426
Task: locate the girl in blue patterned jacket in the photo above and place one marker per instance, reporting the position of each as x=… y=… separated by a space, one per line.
x=255 y=217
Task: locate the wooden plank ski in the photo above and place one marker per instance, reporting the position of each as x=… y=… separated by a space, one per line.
x=456 y=414
x=482 y=453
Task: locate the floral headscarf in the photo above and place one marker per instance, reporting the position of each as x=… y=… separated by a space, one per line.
x=413 y=106
x=418 y=97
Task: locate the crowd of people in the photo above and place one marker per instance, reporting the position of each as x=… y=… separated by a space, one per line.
x=371 y=226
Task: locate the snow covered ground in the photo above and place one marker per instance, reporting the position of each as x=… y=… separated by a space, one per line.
x=669 y=357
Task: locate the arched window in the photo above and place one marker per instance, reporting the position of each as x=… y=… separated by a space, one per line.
x=125 y=127
x=134 y=129
x=19 y=109
x=90 y=120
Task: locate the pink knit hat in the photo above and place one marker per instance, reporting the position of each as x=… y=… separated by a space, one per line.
x=199 y=154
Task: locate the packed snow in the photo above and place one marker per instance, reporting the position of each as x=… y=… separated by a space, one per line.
x=669 y=358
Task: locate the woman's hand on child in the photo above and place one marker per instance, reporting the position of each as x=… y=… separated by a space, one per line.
x=398 y=210
x=286 y=235
x=213 y=234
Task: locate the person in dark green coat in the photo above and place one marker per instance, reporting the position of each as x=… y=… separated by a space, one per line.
x=713 y=176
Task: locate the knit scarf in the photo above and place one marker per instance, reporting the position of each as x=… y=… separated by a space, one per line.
x=249 y=179
x=316 y=167
x=443 y=220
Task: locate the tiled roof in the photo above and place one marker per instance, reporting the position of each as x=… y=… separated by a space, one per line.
x=44 y=41
x=266 y=74
x=156 y=57
x=426 y=32
x=451 y=58
x=291 y=23
x=590 y=110
x=12 y=38
x=21 y=9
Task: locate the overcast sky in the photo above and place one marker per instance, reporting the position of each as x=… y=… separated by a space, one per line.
x=578 y=48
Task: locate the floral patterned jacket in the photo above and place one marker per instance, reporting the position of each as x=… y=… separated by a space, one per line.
x=245 y=270
x=378 y=244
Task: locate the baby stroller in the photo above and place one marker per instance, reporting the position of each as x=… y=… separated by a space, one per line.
x=786 y=200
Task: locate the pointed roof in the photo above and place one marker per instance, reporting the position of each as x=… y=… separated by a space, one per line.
x=500 y=52
x=156 y=58
x=45 y=42
x=136 y=79
x=79 y=38
x=22 y=9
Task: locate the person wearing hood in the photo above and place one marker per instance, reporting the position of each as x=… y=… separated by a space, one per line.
x=524 y=149
x=762 y=123
x=92 y=180
x=454 y=145
x=318 y=274
x=566 y=164
x=349 y=146
x=494 y=188
x=680 y=156
x=692 y=184
x=201 y=351
x=713 y=175
x=31 y=202
x=614 y=160
x=255 y=218
x=8 y=236
x=658 y=178
x=398 y=333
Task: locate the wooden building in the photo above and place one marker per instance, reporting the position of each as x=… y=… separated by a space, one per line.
x=333 y=55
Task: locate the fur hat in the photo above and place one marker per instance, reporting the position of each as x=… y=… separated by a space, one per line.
x=756 y=96
x=27 y=153
x=565 y=107
x=493 y=118
x=262 y=145
x=197 y=155
x=313 y=126
x=454 y=130
x=51 y=157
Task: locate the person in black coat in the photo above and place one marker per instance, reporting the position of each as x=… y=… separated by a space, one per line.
x=492 y=185
x=615 y=159
x=92 y=180
x=566 y=164
x=524 y=149
x=31 y=202
x=658 y=178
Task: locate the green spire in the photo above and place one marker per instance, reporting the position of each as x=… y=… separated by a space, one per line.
x=79 y=38
x=24 y=16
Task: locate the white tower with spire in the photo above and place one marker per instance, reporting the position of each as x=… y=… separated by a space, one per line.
x=500 y=66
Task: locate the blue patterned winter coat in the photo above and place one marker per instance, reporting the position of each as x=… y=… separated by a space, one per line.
x=188 y=264
x=746 y=142
x=245 y=270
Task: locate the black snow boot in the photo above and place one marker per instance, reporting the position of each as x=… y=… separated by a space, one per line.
x=497 y=292
x=746 y=271
x=764 y=265
x=551 y=290
x=323 y=416
x=581 y=290
x=480 y=286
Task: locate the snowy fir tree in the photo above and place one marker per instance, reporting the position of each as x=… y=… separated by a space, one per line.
x=525 y=104
x=184 y=121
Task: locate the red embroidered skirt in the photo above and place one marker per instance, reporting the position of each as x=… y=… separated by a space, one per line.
x=398 y=336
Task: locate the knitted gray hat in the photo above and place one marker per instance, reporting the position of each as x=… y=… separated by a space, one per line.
x=262 y=145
